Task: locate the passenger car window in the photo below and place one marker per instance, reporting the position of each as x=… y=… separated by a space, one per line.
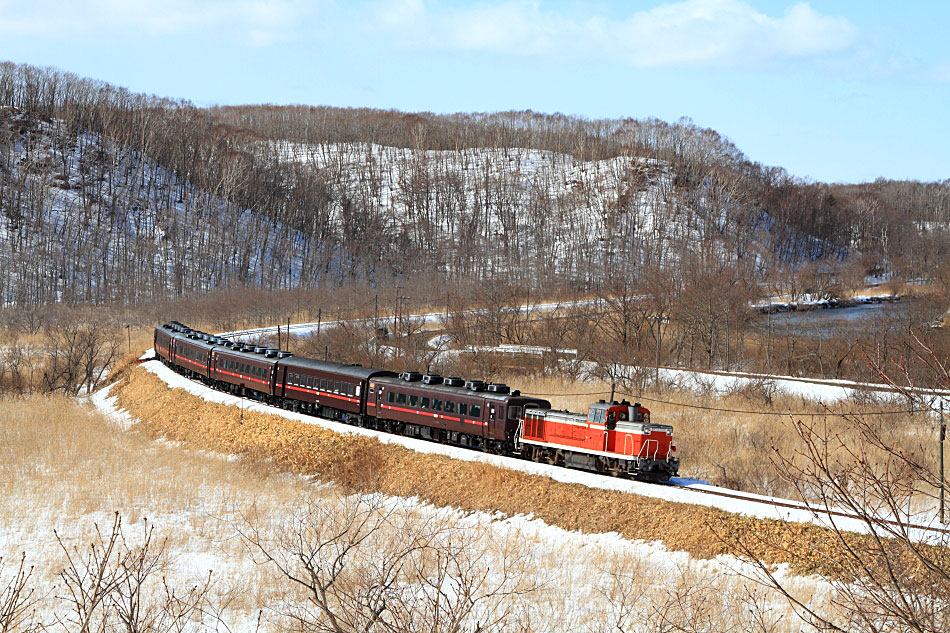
x=390 y=397
x=400 y=398
x=436 y=405
x=413 y=401
x=449 y=407
x=475 y=411
x=424 y=404
x=463 y=408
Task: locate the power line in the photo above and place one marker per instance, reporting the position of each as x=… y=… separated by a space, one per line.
x=721 y=410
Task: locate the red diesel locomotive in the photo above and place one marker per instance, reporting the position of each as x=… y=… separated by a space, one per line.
x=616 y=438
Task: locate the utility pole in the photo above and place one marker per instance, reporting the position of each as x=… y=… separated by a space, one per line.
x=660 y=319
x=943 y=435
x=395 y=308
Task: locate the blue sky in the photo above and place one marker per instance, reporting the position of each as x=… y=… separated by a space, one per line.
x=841 y=90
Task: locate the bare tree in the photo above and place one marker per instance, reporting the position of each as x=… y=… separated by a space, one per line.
x=363 y=566
x=78 y=354
x=18 y=600
x=895 y=576
x=112 y=585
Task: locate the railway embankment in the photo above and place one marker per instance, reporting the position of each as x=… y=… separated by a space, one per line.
x=365 y=464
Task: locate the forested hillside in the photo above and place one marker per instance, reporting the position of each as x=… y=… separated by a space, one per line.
x=112 y=196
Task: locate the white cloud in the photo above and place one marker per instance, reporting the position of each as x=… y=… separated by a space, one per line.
x=252 y=22
x=688 y=33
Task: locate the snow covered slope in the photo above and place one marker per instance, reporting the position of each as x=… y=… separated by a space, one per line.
x=88 y=219
x=538 y=206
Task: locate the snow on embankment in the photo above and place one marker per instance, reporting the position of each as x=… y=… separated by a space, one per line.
x=684 y=491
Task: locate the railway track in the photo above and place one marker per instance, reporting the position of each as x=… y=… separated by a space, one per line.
x=797 y=505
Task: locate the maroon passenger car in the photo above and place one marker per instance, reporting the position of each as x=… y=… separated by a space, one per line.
x=448 y=409
x=325 y=388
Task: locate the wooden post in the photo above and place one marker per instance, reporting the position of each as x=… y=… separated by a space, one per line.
x=943 y=435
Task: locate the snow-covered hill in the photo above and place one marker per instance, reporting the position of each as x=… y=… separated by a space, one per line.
x=547 y=208
x=88 y=219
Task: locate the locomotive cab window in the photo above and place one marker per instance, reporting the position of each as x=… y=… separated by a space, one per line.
x=514 y=413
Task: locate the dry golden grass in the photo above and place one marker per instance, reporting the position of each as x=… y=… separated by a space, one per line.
x=364 y=464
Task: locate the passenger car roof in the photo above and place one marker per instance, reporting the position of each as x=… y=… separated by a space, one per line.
x=353 y=371
x=458 y=391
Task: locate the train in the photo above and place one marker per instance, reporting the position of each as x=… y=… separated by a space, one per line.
x=616 y=438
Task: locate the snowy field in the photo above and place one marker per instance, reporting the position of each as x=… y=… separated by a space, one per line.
x=580 y=577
